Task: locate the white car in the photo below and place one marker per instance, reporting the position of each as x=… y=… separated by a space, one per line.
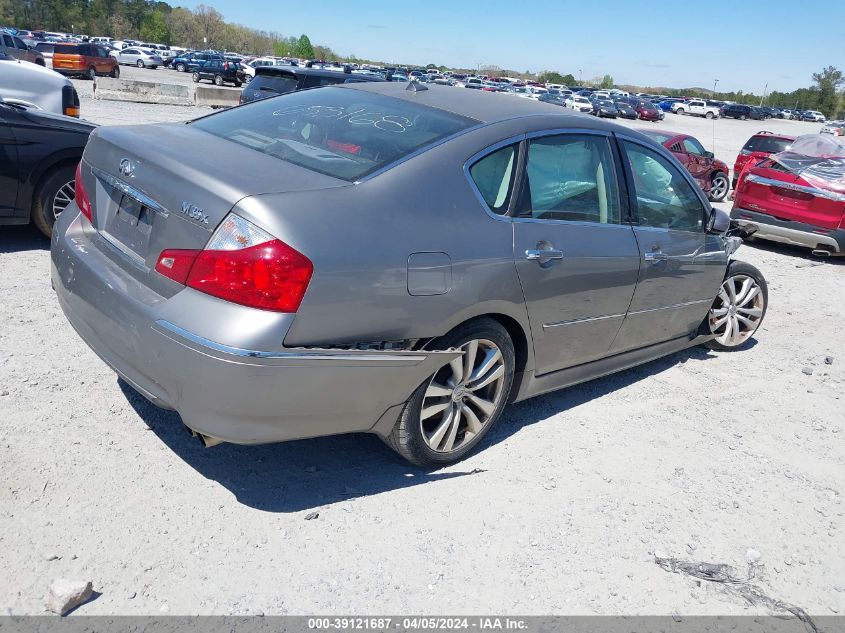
x=813 y=115
x=35 y=86
x=250 y=66
x=579 y=103
x=836 y=128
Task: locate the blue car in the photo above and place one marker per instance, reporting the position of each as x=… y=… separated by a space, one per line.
x=189 y=62
x=666 y=104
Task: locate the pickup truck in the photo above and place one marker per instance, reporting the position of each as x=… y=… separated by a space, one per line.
x=15 y=47
x=697 y=107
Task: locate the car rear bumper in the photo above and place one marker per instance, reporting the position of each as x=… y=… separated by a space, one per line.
x=790 y=232
x=237 y=395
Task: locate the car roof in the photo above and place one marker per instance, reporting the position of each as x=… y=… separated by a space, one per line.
x=486 y=107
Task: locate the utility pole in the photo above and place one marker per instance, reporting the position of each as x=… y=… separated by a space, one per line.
x=765 y=88
x=580 y=77
x=715 y=81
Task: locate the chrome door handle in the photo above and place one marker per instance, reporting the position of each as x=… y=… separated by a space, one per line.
x=545 y=253
x=655 y=256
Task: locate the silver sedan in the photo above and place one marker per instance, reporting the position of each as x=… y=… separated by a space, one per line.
x=140 y=57
x=397 y=259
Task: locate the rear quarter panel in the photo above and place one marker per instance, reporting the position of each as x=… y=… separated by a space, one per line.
x=360 y=237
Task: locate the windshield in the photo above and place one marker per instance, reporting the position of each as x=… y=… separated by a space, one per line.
x=336 y=131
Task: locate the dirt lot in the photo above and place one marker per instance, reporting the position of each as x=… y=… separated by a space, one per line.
x=701 y=455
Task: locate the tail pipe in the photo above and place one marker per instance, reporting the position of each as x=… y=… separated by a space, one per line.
x=820 y=252
x=207 y=440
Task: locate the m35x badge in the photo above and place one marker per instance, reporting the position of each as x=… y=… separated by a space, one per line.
x=194 y=212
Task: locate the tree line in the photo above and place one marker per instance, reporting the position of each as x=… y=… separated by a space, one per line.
x=204 y=27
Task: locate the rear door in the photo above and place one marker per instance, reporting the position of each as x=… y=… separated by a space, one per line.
x=575 y=252
x=682 y=266
x=697 y=164
x=8 y=166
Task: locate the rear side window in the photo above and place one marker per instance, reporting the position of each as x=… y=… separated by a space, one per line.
x=770 y=144
x=493 y=175
x=315 y=81
x=341 y=132
x=572 y=178
x=68 y=50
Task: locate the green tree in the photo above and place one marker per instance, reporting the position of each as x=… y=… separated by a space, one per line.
x=828 y=82
x=155 y=29
x=606 y=82
x=304 y=48
x=552 y=77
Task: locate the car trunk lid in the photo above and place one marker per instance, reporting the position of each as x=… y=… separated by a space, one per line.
x=149 y=194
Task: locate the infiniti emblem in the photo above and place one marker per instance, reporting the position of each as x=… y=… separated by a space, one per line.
x=126 y=167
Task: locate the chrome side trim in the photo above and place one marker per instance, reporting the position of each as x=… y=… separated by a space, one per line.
x=130 y=191
x=165 y=327
x=587 y=320
x=673 y=307
x=813 y=191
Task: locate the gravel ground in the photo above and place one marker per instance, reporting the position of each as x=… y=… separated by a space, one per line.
x=700 y=455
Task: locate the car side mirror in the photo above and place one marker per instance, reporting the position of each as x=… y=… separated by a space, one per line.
x=710 y=155
x=719 y=222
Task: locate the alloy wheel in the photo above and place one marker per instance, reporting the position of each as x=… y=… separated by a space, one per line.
x=63 y=197
x=737 y=310
x=719 y=188
x=463 y=396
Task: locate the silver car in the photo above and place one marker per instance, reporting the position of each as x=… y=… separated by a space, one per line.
x=140 y=57
x=395 y=259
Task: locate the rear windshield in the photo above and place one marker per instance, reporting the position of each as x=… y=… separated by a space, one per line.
x=336 y=131
x=770 y=144
x=277 y=83
x=69 y=49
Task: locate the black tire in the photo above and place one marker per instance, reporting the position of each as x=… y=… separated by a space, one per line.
x=218 y=80
x=738 y=269
x=115 y=73
x=196 y=78
x=407 y=436
x=45 y=194
x=708 y=115
x=180 y=67
x=742 y=117
x=40 y=62
x=91 y=73
x=139 y=63
x=679 y=111
x=719 y=197
x=238 y=84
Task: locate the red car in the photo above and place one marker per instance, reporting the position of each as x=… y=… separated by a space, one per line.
x=710 y=173
x=797 y=196
x=760 y=146
x=647 y=111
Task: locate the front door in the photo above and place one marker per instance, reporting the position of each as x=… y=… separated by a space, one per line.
x=682 y=266
x=575 y=252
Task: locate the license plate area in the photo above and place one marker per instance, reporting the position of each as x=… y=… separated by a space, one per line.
x=130 y=226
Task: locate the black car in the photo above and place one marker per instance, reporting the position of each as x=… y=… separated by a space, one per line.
x=743 y=112
x=625 y=110
x=605 y=108
x=38 y=164
x=270 y=81
x=220 y=71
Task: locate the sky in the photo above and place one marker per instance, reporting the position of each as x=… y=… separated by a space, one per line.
x=745 y=44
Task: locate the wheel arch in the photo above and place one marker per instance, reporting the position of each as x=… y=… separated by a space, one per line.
x=46 y=167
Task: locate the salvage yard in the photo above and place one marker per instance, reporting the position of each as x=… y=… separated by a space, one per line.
x=733 y=458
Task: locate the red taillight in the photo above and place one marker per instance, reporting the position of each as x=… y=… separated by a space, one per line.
x=244 y=265
x=176 y=263
x=226 y=66
x=81 y=196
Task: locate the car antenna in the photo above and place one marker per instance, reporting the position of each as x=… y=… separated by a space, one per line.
x=415 y=86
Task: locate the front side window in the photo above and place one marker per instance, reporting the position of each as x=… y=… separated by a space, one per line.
x=692 y=146
x=665 y=199
x=494 y=176
x=341 y=132
x=572 y=178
